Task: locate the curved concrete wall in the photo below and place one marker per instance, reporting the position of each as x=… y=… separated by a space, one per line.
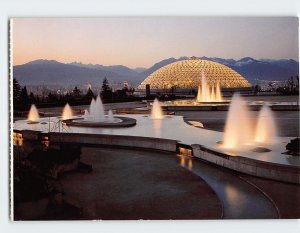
x=226 y=107
x=241 y=164
x=249 y=166
x=115 y=140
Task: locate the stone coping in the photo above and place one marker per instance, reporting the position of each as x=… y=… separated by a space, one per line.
x=121 y=141
x=259 y=168
x=173 y=128
x=125 y=122
x=263 y=169
x=224 y=107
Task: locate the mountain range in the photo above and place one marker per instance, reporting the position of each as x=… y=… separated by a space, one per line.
x=51 y=72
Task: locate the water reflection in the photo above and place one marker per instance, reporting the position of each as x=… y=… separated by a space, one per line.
x=231 y=192
x=157 y=127
x=185 y=162
x=33 y=126
x=182 y=162
x=17 y=139
x=190 y=164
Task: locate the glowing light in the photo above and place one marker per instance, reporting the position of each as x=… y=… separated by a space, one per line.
x=187 y=75
x=204 y=93
x=218 y=93
x=266 y=130
x=190 y=164
x=17 y=139
x=213 y=96
x=238 y=127
x=67 y=112
x=33 y=114
x=199 y=95
x=182 y=161
x=156 y=112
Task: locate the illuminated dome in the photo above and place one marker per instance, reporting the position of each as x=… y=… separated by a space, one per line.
x=187 y=75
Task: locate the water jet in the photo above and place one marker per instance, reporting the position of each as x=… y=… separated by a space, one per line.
x=207 y=93
x=67 y=112
x=266 y=130
x=156 y=112
x=238 y=126
x=33 y=115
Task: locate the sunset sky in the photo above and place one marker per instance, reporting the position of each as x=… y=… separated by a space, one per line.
x=141 y=42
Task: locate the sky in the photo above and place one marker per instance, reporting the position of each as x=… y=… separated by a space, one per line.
x=143 y=41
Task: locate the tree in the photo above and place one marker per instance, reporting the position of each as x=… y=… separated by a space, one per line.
x=76 y=92
x=125 y=88
x=257 y=89
x=90 y=93
x=105 y=85
x=292 y=83
x=16 y=91
x=24 y=99
x=31 y=98
x=106 y=92
x=129 y=91
x=52 y=97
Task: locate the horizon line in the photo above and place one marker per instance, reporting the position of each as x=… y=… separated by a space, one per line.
x=80 y=62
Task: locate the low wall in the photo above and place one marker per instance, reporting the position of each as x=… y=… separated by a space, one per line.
x=31 y=135
x=285 y=107
x=196 y=108
x=115 y=140
x=248 y=166
x=226 y=107
x=285 y=173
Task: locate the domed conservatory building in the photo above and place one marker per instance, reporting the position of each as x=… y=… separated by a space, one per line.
x=184 y=77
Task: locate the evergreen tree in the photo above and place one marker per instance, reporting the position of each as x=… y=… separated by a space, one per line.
x=106 y=92
x=16 y=91
x=90 y=93
x=257 y=89
x=24 y=99
x=31 y=98
x=105 y=85
x=76 y=92
x=52 y=97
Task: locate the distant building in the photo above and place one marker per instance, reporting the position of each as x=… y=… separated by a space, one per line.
x=184 y=77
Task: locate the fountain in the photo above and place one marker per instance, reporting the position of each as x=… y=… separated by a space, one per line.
x=33 y=115
x=157 y=116
x=207 y=93
x=213 y=96
x=90 y=113
x=96 y=112
x=95 y=117
x=110 y=116
x=67 y=112
x=156 y=112
x=266 y=131
x=86 y=114
x=218 y=93
x=199 y=96
x=238 y=127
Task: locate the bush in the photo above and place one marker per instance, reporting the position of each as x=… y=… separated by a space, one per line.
x=293 y=147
